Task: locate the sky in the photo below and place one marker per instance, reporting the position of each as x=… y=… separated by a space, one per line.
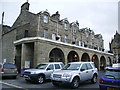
x=99 y=15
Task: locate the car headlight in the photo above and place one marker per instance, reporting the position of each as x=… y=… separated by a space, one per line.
x=66 y=75
x=33 y=73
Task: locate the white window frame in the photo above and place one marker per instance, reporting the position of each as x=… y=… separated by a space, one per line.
x=54 y=36
x=66 y=38
x=65 y=26
x=45 y=19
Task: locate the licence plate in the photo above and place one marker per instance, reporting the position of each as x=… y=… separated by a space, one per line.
x=112 y=88
x=57 y=79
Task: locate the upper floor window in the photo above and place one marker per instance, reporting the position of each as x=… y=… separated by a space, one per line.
x=79 y=43
x=54 y=36
x=74 y=30
x=82 y=44
x=45 y=19
x=66 y=38
x=26 y=33
x=65 y=26
x=92 y=36
x=45 y=33
x=86 y=33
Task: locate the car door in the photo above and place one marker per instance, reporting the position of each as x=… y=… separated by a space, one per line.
x=83 y=72
x=90 y=71
x=49 y=70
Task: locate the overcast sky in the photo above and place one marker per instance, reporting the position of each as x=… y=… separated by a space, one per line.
x=99 y=15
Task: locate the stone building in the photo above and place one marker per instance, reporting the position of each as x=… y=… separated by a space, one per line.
x=119 y=17
x=36 y=38
x=115 y=46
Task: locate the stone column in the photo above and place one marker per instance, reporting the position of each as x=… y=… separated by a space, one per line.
x=23 y=56
x=36 y=53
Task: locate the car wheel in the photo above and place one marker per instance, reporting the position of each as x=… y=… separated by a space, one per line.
x=40 y=79
x=94 y=79
x=55 y=84
x=27 y=80
x=75 y=83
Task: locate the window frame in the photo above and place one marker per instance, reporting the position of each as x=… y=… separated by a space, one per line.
x=45 y=19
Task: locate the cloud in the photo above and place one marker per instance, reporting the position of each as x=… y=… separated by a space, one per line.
x=99 y=15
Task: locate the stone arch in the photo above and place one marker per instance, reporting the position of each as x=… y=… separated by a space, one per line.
x=85 y=57
x=95 y=60
x=73 y=56
x=56 y=55
x=102 y=63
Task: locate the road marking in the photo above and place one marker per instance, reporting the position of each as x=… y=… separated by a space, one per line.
x=13 y=85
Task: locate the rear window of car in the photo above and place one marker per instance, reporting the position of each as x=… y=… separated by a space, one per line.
x=111 y=73
x=9 y=66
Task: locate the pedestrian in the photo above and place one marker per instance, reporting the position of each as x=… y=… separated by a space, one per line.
x=119 y=60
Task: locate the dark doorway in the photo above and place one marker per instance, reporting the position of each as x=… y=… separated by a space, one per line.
x=85 y=57
x=18 y=57
x=102 y=63
x=95 y=60
x=56 y=55
x=73 y=56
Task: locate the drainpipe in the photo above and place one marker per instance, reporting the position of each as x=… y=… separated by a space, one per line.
x=1 y=38
x=38 y=28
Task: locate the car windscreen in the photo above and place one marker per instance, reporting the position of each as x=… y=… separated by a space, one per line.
x=111 y=73
x=71 y=67
x=41 y=66
x=9 y=66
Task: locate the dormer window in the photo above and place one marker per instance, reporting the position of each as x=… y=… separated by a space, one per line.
x=65 y=26
x=86 y=34
x=45 y=19
x=74 y=30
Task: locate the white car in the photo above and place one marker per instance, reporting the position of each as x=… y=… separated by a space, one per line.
x=75 y=72
x=42 y=71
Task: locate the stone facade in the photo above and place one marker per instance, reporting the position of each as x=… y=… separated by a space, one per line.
x=36 y=38
x=115 y=46
x=119 y=17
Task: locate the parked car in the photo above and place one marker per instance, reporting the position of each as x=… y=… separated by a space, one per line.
x=111 y=79
x=75 y=72
x=116 y=65
x=42 y=72
x=8 y=70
